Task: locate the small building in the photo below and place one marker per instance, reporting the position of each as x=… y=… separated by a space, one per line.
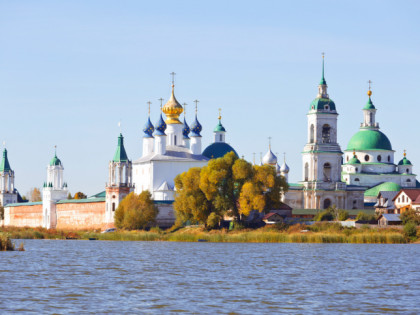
x=407 y=199
x=272 y=218
x=387 y=219
x=385 y=203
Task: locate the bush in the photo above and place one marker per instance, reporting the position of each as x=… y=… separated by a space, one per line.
x=410 y=230
x=136 y=212
x=361 y=216
x=325 y=215
x=343 y=215
x=410 y=215
x=213 y=221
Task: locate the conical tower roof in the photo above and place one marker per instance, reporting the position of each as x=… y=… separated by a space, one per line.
x=120 y=154
x=5 y=166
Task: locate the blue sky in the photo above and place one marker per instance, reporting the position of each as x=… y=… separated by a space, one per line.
x=69 y=71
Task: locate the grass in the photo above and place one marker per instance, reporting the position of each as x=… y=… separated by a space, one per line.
x=7 y=244
x=318 y=233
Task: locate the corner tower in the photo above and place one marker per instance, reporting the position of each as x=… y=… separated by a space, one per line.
x=7 y=182
x=120 y=182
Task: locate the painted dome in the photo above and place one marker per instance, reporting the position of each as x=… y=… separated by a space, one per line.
x=218 y=149
x=219 y=127
x=160 y=127
x=354 y=160
x=186 y=130
x=284 y=168
x=196 y=128
x=55 y=161
x=269 y=158
x=404 y=161
x=369 y=139
x=322 y=104
x=148 y=129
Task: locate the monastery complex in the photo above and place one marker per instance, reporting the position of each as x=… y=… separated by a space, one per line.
x=350 y=179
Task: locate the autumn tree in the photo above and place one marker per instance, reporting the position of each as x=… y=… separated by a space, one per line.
x=136 y=212
x=227 y=185
x=79 y=195
x=34 y=195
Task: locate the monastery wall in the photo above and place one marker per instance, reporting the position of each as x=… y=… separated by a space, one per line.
x=80 y=216
x=27 y=215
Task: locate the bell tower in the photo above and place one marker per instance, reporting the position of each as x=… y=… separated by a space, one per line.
x=120 y=182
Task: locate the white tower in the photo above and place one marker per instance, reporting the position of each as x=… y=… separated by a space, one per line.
x=55 y=189
x=120 y=182
x=196 y=129
x=8 y=193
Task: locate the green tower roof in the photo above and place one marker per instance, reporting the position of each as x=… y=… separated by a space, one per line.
x=320 y=103
x=5 y=166
x=55 y=160
x=120 y=155
x=369 y=139
x=369 y=105
x=354 y=160
x=404 y=161
x=386 y=186
x=219 y=127
x=323 y=82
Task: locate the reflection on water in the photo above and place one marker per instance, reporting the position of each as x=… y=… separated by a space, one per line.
x=163 y=277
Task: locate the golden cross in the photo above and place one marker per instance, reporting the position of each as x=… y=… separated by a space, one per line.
x=196 y=105
x=185 y=108
x=323 y=55
x=220 y=113
x=405 y=152
x=161 y=100
x=149 y=102
x=173 y=77
x=269 y=142
x=284 y=157
x=370 y=82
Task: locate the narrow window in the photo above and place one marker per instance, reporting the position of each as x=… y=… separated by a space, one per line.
x=389 y=158
x=311 y=139
x=174 y=140
x=327 y=172
x=379 y=158
x=221 y=138
x=113 y=206
x=407 y=171
x=326 y=134
x=306 y=172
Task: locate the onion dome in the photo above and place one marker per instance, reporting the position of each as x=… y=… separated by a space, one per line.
x=148 y=129
x=368 y=139
x=160 y=127
x=5 y=166
x=172 y=109
x=269 y=158
x=284 y=168
x=219 y=127
x=55 y=161
x=196 y=128
x=354 y=160
x=369 y=105
x=277 y=168
x=218 y=149
x=404 y=161
x=186 y=130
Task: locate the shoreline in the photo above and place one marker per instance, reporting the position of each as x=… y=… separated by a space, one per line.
x=325 y=234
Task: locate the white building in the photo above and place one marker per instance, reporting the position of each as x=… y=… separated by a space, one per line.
x=55 y=189
x=8 y=193
x=321 y=185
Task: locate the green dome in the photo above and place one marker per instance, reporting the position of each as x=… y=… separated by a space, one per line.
x=369 y=105
x=369 y=140
x=55 y=161
x=386 y=186
x=218 y=149
x=219 y=128
x=354 y=160
x=404 y=161
x=320 y=103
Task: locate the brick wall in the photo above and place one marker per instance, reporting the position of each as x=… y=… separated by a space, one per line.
x=80 y=216
x=23 y=216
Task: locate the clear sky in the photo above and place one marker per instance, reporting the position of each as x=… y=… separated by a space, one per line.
x=70 y=70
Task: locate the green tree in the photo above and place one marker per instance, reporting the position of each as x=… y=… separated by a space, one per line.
x=213 y=221
x=361 y=216
x=80 y=195
x=410 y=230
x=326 y=215
x=69 y=196
x=410 y=215
x=136 y=212
x=343 y=215
x=227 y=185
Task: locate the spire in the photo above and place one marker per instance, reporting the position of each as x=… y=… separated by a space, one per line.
x=323 y=82
x=5 y=166
x=55 y=160
x=322 y=87
x=369 y=104
x=120 y=154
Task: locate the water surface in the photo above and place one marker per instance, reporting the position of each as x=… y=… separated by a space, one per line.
x=62 y=277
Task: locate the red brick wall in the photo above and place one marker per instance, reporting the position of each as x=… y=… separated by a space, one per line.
x=26 y=216
x=90 y=215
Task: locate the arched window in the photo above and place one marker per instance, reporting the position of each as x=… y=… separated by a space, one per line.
x=312 y=132
x=371 y=118
x=326 y=134
x=221 y=138
x=367 y=158
x=327 y=203
x=174 y=140
x=357 y=180
x=113 y=206
x=306 y=172
x=407 y=171
x=379 y=158
x=389 y=158
x=327 y=172
x=408 y=181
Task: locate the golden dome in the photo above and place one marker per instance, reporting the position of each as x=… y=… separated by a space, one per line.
x=172 y=109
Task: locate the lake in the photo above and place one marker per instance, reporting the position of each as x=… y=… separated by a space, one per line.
x=61 y=277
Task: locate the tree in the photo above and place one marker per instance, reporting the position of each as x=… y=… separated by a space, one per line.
x=410 y=215
x=361 y=216
x=343 y=215
x=226 y=186
x=34 y=195
x=1 y=212
x=326 y=215
x=69 y=196
x=410 y=230
x=80 y=195
x=136 y=211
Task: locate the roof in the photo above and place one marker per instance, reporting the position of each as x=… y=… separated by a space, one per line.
x=88 y=200
x=269 y=215
x=24 y=204
x=404 y=161
x=386 y=186
x=411 y=193
x=165 y=187
x=354 y=160
x=55 y=161
x=388 y=196
x=217 y=150
x=369 y=105
x=102 y=194
x=219 y=127
x=5 y=166
x=391 y=217
x=120 y=154
x=174 y=154
x=369 y=139
x=320 y=104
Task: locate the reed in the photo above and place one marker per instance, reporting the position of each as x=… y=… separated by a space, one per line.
x=6 y=242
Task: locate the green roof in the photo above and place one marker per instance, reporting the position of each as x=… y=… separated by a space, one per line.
x=368 y=139
x=353 y=160
x=219 y=127
x=5 y=166
x=404 y=161
x=120 y=155
x=82 y=200
x=55 y=161
x=24 y=204
x=387 y=186
x=102 y=194
x=369 y=105
x=320 y=103
x=218 y=149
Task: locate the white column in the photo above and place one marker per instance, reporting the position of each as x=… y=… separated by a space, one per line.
x=196 y=145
